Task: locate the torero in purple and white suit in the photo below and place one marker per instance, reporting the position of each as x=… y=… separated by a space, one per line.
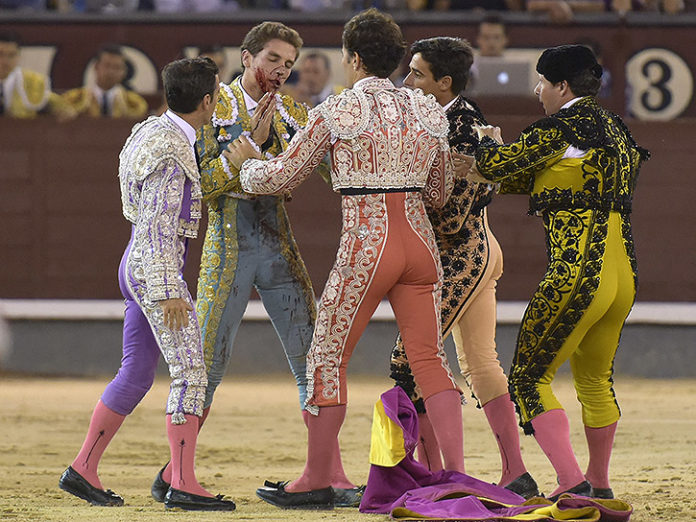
x=161 y=196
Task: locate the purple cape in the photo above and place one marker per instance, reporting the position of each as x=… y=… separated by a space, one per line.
x=411 y=490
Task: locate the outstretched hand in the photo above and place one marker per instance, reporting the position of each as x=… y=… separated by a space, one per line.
x=475 y=176
x=462 y=163
x=490 y=131
x=239 y=151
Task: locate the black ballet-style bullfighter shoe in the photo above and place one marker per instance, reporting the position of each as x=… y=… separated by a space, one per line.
x=159 y=487
x=604 y=493
x=175 y=498
x=75 y=484
x=525 y=486
x=348 y=497
x=315 y=499
x=583 y=489
x=343 y=497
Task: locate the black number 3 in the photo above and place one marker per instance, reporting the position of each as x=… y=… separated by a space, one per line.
x=659 y=85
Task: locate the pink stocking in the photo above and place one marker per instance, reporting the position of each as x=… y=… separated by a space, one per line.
x=552 y=433
x=167 y=473
x=428 y=450
x=322 y=436
x=182 y=445
x=102 y=428
x=339 y=479
x=445 y=413
x=501 y=417
x=599 y=443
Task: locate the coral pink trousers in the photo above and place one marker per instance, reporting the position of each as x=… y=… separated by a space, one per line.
x=387 y=249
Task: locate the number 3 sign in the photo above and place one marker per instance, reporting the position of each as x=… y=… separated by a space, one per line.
x=660 y=84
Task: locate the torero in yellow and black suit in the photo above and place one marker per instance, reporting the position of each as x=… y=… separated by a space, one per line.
x=579 y=166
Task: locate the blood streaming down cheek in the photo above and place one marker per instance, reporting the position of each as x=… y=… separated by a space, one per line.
x=261 y=80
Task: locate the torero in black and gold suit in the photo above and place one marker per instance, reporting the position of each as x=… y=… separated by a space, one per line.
x=472 y=262
x=468 y=249
x=579 y=308
x=579 y=166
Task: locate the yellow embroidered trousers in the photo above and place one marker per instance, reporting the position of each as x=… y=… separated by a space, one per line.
x=577 y=314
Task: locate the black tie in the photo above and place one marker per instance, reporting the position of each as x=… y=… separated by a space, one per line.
x=195 y=153
x=2 y=99
x=105 y=105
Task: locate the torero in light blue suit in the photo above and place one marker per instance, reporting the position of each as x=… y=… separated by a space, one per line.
x=249 y=244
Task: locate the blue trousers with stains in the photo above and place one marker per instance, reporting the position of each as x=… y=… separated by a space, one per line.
x=249 y=244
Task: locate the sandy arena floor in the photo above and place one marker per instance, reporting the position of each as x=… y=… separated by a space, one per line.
x=255 y=432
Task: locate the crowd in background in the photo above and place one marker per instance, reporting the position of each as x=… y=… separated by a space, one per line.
x=558 y=10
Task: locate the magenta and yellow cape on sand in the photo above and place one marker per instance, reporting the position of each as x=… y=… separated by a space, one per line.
x=405 y=489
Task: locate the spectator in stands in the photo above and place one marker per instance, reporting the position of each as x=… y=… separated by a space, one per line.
x=666 y=6
x=314 y=80
x=106 y=6
x=492 y=41
x=492 y=37
x=562 y=11
x=199 y=6
x=24 y=5
x=217 y=54
x=107 y=97
x=488 y=5
x=24 y=93
x=559 y=11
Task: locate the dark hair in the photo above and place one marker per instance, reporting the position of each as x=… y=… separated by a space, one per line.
x=187 y=81
x=585 y=83
x=10 y=37
x=316 y=55
x=492 y=19
x=447 y=56
x=210 y=49
x=377 y=39
x=259 y=35
x=110 y=49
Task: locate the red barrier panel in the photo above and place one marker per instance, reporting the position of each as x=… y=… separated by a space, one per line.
x=62 y=233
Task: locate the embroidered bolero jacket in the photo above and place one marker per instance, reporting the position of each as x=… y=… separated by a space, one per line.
x=603 y=179
x=230 y=120
x=468 y=198
x=379 y=137
x=161 y=196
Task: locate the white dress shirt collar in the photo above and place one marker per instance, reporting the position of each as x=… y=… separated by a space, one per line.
x=571 y=102
x=250 y=102
x=183 y=125
x=450 y=103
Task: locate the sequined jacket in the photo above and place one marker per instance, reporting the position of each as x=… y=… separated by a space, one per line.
x=161 y=196
x=603 y=179
x=229 y=121
x=467 y=199
x=379 y=137
x=29 y=94
x=126 y=104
